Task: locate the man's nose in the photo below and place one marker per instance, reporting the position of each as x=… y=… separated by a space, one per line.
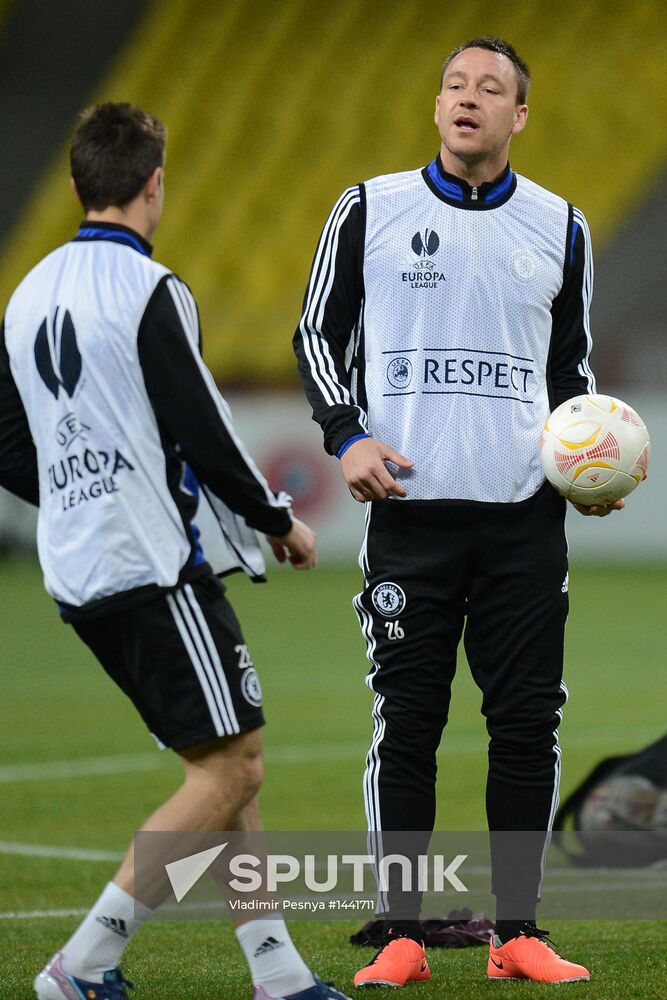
x=468 y=99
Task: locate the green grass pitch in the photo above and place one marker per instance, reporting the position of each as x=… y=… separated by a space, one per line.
x=57 y=705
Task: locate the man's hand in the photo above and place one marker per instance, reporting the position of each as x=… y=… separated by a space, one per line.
x=598 y=510
x=366 y=474
x=298 y=546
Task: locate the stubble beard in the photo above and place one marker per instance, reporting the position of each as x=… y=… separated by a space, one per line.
x=474 y=157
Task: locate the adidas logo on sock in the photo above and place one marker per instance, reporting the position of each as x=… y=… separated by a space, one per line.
x=270 y=944
x=118 y=927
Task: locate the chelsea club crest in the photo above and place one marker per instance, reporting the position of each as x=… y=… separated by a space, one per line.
x=388 y=599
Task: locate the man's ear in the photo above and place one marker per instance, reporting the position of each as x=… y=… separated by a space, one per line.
x=153 y=184
x=520 y=120
x=73 y=187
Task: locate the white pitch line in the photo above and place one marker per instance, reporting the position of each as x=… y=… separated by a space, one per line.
x=35 y=914
x=47 y=851
x=117 y=764
x=131 y=763
x=126 y=763
x=303 y=754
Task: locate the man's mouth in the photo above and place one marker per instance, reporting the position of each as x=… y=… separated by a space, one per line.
x=466 y=124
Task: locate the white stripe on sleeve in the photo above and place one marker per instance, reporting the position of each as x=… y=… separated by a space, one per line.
x=587 y=293
x=322 y=367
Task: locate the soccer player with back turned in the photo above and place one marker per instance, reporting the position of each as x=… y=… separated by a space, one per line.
x=446 y=314
x=111 y=422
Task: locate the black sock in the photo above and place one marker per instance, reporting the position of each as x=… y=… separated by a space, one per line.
x=405 y=928
x=508 y=929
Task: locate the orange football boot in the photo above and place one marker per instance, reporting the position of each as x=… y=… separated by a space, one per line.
x=402 y=960
x=531 y=956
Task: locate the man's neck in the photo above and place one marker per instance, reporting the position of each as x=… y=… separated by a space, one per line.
x=473 y=173
x=130 y=217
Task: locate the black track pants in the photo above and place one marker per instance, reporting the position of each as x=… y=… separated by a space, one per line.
x=497 y=576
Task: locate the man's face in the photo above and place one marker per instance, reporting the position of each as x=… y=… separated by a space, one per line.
x=477 y=111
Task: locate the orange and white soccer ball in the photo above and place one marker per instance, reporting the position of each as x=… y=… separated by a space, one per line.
x=595 y=449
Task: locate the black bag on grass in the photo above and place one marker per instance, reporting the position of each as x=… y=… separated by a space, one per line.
x=619 y=812
x=459 y=929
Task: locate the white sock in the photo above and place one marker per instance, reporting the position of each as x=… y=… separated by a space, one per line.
x=97 y=944
x=274 y=962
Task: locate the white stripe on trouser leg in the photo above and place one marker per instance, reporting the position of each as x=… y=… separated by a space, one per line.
x=199 y=670
x=214 y=655
x=205 y=660
x=555 y=798
x=372 y=795
x=372 y=777
x=372 y=760
x=554 y=806
x=375 y=847
x=372 y=772
x=363 y=554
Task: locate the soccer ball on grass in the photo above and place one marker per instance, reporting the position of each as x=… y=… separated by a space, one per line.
x=595 y=449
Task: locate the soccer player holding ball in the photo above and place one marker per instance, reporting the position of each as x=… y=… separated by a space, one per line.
x=446 y=315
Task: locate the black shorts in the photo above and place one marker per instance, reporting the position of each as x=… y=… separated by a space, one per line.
x=183 y=662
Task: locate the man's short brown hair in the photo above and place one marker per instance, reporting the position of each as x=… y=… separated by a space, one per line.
x=492 y=44
x=115 y=149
